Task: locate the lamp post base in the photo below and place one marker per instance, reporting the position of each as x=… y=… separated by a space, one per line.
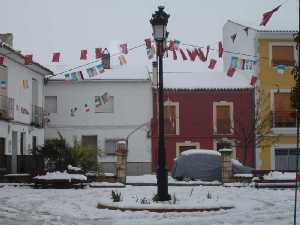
x=162 y=185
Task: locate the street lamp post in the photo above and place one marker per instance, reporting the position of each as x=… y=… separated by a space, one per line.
x=159 y=23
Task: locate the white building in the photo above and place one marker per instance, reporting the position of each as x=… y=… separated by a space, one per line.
x=101 y=112
x=21 y=108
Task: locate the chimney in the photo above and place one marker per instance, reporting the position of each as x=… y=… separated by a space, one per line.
x=106 y=59
x=154 y=74
x=7 y=38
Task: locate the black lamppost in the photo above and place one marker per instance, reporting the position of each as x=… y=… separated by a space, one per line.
x=159 y=23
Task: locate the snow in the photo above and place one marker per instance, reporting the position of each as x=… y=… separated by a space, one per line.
x=70 y=167
x=206 y=80
x=275 y=175
x=27 y=206
x=243 y=175
x=61 y=176
x=200 y=151
x=106 y=184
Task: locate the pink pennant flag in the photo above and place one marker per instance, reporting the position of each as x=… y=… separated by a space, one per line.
x=124 y=48
x=253 y=80
x=1 y=60
x=184 y=58
x=174 y=55
x=55 y=57
x=220 y=49
x=83 y=54
x=191 y=55
x=148 y=43
x=212 y=64
x=267 y=16
x=98 y=53
x=28 y=59
x=230 y=71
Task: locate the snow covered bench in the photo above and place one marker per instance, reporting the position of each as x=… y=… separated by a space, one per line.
x=275 y=179
x=60 y=180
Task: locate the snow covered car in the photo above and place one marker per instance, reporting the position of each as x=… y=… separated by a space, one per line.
x=204 y=165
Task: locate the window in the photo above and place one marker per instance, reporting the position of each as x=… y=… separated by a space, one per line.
x=51 y=104
x=284 y=114
x=285 y=159
x=171 y=118
x=283 y=55
x=223 y=118
x=183 y=146
x=110 y=146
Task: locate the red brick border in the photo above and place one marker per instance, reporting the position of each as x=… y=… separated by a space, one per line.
x=161 y=210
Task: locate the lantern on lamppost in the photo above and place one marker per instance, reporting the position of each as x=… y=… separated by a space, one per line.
x=159 y=23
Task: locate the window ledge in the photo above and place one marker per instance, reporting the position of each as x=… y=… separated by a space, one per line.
x=284 y=130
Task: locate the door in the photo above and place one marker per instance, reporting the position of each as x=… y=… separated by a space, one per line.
x=91 y=142
x=14 y=152
x=2 y=153
x=22 y=150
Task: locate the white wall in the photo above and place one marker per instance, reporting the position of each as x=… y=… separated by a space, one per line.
x=132 y=107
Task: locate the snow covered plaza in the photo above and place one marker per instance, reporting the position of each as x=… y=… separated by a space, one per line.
x=27 y=206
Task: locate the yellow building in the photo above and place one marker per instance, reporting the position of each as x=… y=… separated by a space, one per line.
x=277 y=149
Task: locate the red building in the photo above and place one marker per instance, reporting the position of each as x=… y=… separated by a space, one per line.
x=210 y=114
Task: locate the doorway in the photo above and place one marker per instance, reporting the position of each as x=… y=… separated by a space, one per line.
x=14 y=154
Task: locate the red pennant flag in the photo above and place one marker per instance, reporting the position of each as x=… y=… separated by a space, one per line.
x=184 y=58
x=124 y=48
x=200 y=54
x=212 y=64
x=174 y=54
x=267 y=16
x=253 y=80
x=220 y=50
x=28 y=59
x=171 y=45
x=83 y=54
x=1 y=60
x=207 y=52
x=230 y=72
x=55 y=57
x=98 y=53
x=148 y=43
x=298 y=176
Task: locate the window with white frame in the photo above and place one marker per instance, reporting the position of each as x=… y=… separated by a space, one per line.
x=171 y=118
x=51 y=104
x=282 y=53
x=223 y=117
x=187 y=145
x=285 y=158
x=110 y=146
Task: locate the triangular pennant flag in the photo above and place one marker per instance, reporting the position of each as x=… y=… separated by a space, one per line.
x=212 y=64
x=86 y=108
x=253 y=80
x=246 y=29
x=79 y=75
x=230 y=72
x=124 y=48
x=220 y=49
x=176 y=44
x=100 y=68
x=174 y=55
x=198 y=52
x=1 y=60
x=55 y=57
x=28 y=59
x=183 y=55
x=267 y=16
x=207 y=52
x=91 y=71
x=122 y=60
x=171 y=45
x=83 y=54
x=98 y=53
x=233 y=37
x=148 y=43
x=73 y=76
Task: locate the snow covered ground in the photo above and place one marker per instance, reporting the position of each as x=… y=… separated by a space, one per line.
x=27 y=206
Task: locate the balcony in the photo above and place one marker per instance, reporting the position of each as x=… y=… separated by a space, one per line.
x=37 y=116
x=6 y=108
x=284 y=119
x=223 y=127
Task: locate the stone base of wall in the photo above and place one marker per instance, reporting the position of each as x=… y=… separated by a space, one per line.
x=133 y=168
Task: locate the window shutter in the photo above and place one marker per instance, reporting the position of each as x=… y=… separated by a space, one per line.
x=283 y=55
x=223 y=119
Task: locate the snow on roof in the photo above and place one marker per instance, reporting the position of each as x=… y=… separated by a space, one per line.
x=200 y=151
x=206 y=80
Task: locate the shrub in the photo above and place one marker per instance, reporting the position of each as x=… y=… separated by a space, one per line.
x=116 y=197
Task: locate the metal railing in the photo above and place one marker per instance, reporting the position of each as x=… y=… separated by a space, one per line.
x=283 y=119
x=223 y=126
x=37 y=116
x=6 y=108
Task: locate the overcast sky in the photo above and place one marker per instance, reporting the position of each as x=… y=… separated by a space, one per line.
x=42 y=27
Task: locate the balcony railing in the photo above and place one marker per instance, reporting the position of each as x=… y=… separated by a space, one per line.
x=282 y=119
x=223 y=126
x=6 y=108
x=37 y=118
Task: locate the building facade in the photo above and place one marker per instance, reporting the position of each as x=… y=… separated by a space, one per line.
x=21 y=110
x=206 y=111
x=102 y=112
